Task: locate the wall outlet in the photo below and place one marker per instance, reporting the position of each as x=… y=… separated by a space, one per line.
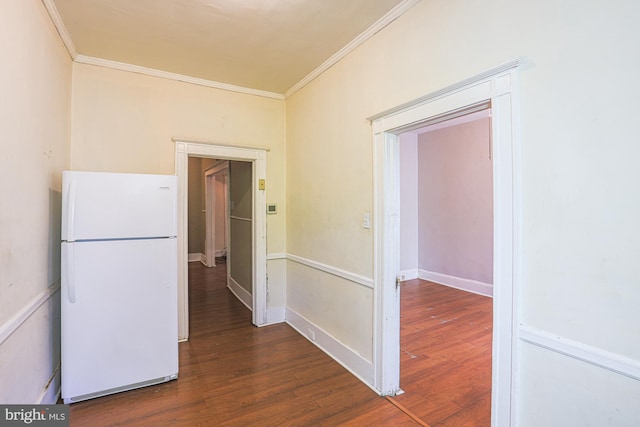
x=312 y=335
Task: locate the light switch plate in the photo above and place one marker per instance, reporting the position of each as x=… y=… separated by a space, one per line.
x=366 y=220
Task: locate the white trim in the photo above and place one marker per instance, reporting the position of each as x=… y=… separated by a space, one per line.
x=468 y=285
x=488 y=74
x=121 y=66
x=497 y=89
x=349 y=359
x=388 y=18
x=408 y=274
x=466 y=118
x=240 y=293
x=352 y=277
x=586 y=353
x=276 y=315
x=51 y=391
x=275 y=256
x=60 y=27
x=12 y=325
x=177 y=139
x=193 y=257
x=258 y=158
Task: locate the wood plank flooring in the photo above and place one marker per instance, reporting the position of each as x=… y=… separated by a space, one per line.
x=234 y=374
x=445 y=361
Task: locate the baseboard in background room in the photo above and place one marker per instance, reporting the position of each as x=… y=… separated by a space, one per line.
x=408 y=274
x=195 y=257
x=240 y=293
x=469 y=285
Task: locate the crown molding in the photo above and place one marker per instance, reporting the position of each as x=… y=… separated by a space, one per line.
x=391 y=16
x=122 y=66
x=387 y=19
x=90 y=60
x=62 y=29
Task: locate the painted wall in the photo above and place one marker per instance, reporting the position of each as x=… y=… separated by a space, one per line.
x=579 y=177
x=35 y=83
x=125 y=122
x=409 y=205
x=241 y=224
x=196 y=203
x=455 y=201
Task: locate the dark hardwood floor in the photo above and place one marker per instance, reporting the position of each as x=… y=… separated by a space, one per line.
x=234 y=374
x=445 y=355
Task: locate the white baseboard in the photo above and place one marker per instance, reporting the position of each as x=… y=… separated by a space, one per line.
x=408 y=274
x=240 y=293
x=350 y=360
x=593 y=355
x=457 y=282
x=195 y=257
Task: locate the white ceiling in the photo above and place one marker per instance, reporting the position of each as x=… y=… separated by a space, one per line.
x=268 y=45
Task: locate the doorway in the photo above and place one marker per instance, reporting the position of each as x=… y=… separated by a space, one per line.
x=496 y=89
x=258 y=251
x=446 y=266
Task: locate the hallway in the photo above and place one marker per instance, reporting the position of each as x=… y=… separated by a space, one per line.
x=234 y=374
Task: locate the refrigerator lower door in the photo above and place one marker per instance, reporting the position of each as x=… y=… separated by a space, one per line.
x=119 y=316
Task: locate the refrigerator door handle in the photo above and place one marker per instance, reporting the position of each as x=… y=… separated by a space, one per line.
x=71 y=211
x=71 y=273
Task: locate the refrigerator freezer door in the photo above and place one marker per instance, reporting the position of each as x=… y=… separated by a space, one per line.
x=119 y=324
x=97 y=206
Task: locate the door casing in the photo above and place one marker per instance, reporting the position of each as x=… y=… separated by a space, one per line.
x=497 y=89
x=258 y=159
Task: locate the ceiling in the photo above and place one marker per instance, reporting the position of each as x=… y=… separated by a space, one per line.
x=266 y=45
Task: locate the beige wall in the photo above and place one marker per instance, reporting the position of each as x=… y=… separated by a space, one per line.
x=124 y=122
x=579 y=174
x=35 y=88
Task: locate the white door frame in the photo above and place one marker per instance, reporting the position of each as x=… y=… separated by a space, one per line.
x=498 y=90
x=211 y=203
x=258 y=158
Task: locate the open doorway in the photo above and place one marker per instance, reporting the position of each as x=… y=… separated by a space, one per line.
x=220 y=220
x=496 y=89
x=446 y=270
x=253 y=200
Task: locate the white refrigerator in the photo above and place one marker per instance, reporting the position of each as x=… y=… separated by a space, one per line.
x=119 y=283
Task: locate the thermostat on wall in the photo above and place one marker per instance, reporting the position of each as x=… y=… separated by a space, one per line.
x=272 y=208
